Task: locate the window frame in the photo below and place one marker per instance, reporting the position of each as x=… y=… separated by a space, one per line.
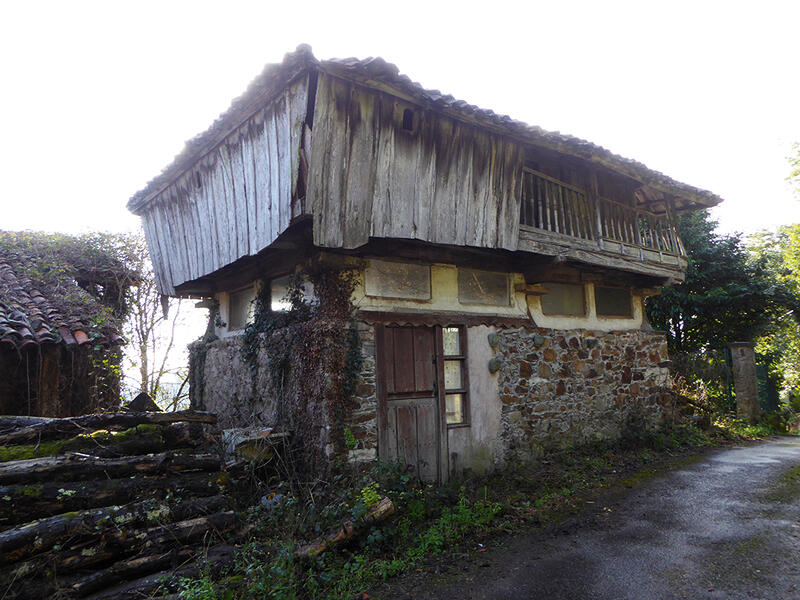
x=463 y=271
x=463 y=359
x=586 y=304
x=627 y=317
x=229 y=324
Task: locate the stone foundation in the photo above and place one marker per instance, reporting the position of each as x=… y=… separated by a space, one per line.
x=562 y=388
x=553 y=388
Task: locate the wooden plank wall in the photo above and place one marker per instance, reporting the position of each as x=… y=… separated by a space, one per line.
x=236 y=201
x=444 y=182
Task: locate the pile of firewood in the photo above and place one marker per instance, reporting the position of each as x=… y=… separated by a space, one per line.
x=109 y=505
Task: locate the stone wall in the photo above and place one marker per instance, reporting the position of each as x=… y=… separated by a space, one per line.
x=227 y=386
x=560 y=388
x=361 y=417
x=224 y=385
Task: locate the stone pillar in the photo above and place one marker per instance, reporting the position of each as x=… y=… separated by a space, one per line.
x=745 y=382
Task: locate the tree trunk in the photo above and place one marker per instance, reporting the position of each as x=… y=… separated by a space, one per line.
x=117 y=544
x=23 y=503
x=39 y=536
x=80 y=468
x=60 y=428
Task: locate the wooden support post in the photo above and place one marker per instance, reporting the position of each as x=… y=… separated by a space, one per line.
x=49 y=372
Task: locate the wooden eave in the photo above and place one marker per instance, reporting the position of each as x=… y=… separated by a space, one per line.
x=377 y=74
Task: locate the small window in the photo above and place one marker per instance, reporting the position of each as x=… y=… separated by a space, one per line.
x=564 y=299
x=240 y=307
x=483 y=287
x=408 y=119
x=613 y=302
x=455 y=375
x=385 y=279
x=279 y=293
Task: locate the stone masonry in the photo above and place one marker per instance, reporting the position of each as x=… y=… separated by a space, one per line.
x=362 y=417
x=561 y=388
x=227 y=389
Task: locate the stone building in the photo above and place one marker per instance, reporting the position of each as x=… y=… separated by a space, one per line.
x=501 y=269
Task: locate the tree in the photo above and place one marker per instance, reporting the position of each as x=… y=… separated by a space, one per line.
x=150 y=330
x=729 y=295
x=780 y=252
x=794 y=165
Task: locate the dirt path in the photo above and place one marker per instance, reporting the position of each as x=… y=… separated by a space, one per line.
x=726 y=527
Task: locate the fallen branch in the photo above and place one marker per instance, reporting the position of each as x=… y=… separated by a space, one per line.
x=347 y=530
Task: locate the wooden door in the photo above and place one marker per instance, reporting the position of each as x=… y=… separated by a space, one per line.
x=410 y=417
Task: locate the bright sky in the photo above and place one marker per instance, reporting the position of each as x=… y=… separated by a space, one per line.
x=99 y=96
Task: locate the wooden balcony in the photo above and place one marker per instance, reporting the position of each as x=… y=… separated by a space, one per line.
x=554 y=213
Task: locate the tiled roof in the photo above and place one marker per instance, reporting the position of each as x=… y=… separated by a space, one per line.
x=30 y=315
x=380 y=74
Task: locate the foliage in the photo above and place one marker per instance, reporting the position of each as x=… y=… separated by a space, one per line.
x=794 y=164
x=780 y=251
x=728 y=295
x=312 y=356
x=87 y=277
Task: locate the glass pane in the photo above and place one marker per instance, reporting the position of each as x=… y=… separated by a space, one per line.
x=279 y=290
x=397 y=280
x=564 y=299
x=454 y=404
x=452 y=374
x=612 y=302
x=482 y=287
x=241 y=308
x=451 y=339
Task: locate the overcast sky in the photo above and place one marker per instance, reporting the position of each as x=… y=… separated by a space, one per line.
x=97 y=97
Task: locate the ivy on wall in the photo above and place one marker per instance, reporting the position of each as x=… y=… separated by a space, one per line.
x=313 y=357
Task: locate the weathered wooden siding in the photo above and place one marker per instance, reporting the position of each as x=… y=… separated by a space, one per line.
x=444 y=182
x=236 y=201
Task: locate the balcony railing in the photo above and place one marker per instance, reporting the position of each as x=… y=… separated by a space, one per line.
x=564 y=209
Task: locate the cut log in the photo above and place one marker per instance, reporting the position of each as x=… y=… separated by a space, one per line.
x=189 y=435
x=23 y=503
x=132 y=567
x=12 y=423
x=36 y=537
x=215 y=558
x=347 y=530
x=78 y=467
x=116 y=544
x=60 y=428
x=141 y=439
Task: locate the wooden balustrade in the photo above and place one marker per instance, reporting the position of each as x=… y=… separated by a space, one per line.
x=564 y=209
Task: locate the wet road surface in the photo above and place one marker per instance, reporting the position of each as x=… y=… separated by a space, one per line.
x=726 y=527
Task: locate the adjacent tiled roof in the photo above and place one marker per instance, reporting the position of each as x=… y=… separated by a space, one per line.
x=30 y=314
x=379 y=74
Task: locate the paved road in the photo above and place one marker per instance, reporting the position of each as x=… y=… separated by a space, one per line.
x=727 y=527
